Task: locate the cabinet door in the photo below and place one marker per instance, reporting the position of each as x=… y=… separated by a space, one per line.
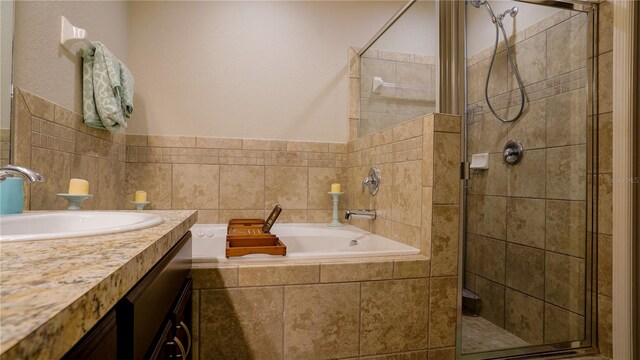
x=100 y=343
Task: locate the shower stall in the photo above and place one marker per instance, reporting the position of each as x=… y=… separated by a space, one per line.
x=530 y=161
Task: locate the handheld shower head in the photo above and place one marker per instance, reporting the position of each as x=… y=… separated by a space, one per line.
x=477 y=3
x=514 y=11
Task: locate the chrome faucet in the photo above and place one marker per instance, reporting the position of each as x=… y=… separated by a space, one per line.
x=26 y=174
x=368 y=214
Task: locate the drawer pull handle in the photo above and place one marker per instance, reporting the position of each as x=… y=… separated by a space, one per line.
x=186 y=330
x=180 y=346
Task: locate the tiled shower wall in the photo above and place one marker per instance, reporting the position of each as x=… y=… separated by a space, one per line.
x=5 y=143
x=390 y=106
x=418 y=200
x=525 y=243
x=235 y=178
x=54 y=141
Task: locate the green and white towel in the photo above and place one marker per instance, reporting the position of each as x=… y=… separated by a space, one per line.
x=107 y=89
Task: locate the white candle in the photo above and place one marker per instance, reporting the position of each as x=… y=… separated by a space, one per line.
x=78 y=187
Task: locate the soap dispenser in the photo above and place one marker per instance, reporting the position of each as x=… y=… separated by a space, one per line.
x=12 y=178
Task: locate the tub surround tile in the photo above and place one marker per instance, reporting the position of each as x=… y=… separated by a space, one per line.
x=444 y=243
x=382 y=303
x=242 y=187
x=406 y=191
x=406 y=234
x=446 y=168
x=136 y=140
x=255 y=144
x=155 y=179
x=195 y=186
x=320 y=180
x=321 y=321
x=171 y=141
x=345 y=272
x=72 y=286
x=403 y=269
x=39 y=107
x=442 y=312
x=286 y=186
x=205 y=277
x=269 y=275
x=237 y=323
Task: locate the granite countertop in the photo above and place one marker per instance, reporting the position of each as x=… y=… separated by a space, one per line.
x=52 y=292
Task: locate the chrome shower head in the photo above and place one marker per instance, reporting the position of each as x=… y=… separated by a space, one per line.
x=477 y=3
x=514 y=11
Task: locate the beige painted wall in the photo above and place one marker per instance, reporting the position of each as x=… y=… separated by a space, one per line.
x=42 y=66
x=274 y=70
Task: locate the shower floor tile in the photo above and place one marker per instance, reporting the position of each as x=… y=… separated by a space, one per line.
x=479 y=334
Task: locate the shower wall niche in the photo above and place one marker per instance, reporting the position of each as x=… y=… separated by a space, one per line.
x=526 y=224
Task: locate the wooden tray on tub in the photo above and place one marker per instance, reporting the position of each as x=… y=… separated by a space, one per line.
x=246 y=236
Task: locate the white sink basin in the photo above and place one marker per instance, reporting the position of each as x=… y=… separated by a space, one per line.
x=68 y=224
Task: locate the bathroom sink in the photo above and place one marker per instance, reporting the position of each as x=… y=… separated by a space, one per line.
x=68 y=224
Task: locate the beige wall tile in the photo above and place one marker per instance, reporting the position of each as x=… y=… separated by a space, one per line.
x=406 y=234
x=155 y=179
x=605 y=265
x=527 y=178
x=524 y=316
x=605 y=143
x=526 y=222
x=353 y=110
x=406 y=206
x=525 y=270
x=229 y=327
x=567 y=118
x=383 y=227
x=291 y=216
x=605 y=28
x=562 y=325
x=487 y=134
x=530 y=55
x=428 y=138
x=605 y=82
x=443 y=354
x=320 y=180
x=356 y=271
x=444 y=244
x=605 y=204
x=208 y=217
x=565 y=46
x=530 y=128
x=254 y=144
x=473 y=204
x=38 y=106
x=337 y=148
x=492 y=181
x=285 y=274
x=171 y=141
x=605 y=336
x=446 y=123
x=354 y=63
x=490 y=254
x=111 y=177
x=321 y=321
x=491 y=217
x=566 y=172
x=411 y=268
x=226 y=215
x=286 y=186
x=136 y=140
x=407 y=130
x=195 y=186
x=214 y=278
x=564 y=284
x=383 y=201
x=394 y=316
x=218 y=143
x=427 y=221
x=442 y=312
x=446 y=178
x=493 y=306
x=566 y=227
x=68 y=118
x=309 y=146
x=241 y=187
x=21 y=128
x=84 y=167
x=321 y=216
x=55 y=166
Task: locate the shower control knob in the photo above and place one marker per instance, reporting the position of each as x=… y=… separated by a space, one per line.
x=512 y=152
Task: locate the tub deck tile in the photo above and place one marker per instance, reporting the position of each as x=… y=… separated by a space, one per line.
x=278 y=274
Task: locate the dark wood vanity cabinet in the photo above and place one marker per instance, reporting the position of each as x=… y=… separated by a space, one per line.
x=153 y=321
